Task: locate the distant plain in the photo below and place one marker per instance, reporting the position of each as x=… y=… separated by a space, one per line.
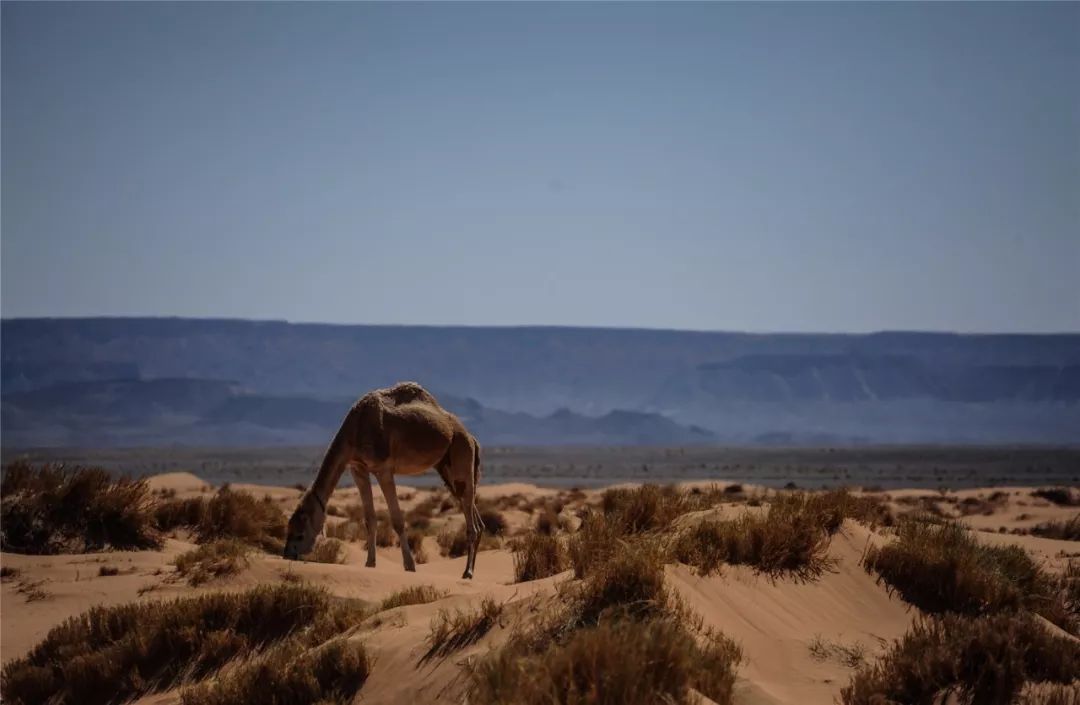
x=886 y=467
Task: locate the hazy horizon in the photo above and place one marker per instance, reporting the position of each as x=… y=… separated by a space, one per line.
x=929 y=331
x=809 y=168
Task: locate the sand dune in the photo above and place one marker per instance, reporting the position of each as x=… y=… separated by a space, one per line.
x=801 y=640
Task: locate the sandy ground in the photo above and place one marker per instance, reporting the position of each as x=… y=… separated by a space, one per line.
x=801 y=640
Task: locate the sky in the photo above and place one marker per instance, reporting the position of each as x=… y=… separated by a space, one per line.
x=832 y=167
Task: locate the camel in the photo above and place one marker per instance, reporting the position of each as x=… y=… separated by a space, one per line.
x=401 y=430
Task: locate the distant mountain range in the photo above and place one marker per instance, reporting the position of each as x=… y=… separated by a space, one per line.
x=130 y=381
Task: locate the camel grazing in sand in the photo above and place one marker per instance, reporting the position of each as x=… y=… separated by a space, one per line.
x=401 y=430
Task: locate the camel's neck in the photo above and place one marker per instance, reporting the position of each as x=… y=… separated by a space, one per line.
x=333 y=465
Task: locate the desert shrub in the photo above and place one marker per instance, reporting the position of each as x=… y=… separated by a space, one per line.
x=383 y=529
x=829 y=509
x=9 y=572
x=791 y=539
x=616 y=663
x=111 y=654
x=415 y=538
x=1049 y=694
x=107 y=571
x=354 y=528
x=52 y=509
x=984 y=660
x=328 y=551
x=454 y=542
x=1067 y=599
x=494 y=522
x=1063 y=496
x=574 y=494
x=175 y=513
x=593 y=543
x=629 y=583
x=213 y=560
x=644 y=508
x=344 y=531
x=453 y=632
x=593 y=648
x=941 y=567
x=547 y=521
x=419 y=517
x=289 y=674
x=871 y=510
x=538 y=556
x=414 y=595
x=236 y=514
x=1066 y=530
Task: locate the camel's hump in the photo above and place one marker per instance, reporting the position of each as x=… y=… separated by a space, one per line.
x=400 y=393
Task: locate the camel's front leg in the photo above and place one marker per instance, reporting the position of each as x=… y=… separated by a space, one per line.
x=363 y=481
x=389 y=490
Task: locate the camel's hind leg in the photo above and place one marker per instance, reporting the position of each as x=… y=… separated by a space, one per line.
x=397 y=518
x=458 y=472
x=363 y=483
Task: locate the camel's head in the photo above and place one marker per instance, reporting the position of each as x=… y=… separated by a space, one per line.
x=304 y=526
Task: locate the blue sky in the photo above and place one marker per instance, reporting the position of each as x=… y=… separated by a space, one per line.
x=763 y=167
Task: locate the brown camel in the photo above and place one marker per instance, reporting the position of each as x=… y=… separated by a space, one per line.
x=401 y=430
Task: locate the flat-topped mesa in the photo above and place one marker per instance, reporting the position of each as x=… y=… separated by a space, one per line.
x=400 y=430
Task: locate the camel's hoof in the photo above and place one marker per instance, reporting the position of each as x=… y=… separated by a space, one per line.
x=369 y=564
x=410 y=568
x=467 y=575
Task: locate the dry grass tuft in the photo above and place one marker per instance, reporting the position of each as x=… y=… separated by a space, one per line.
x=111 y=654
x=593 y=544
x=213 y=560
x=851 y=655
x=289 y=674
x=1050 y=694
x=547 y=521
x=646 y=508
x=453 y=632
x=985 y=660
x=454 y=543
x=414 y=595
x=51 y=509
x=941 y=567
x=617 y=663
x=415 y=537
x=173 y=514
x=592 y=650
x=233 y=514
x=384 y=529
x=791 y=539
x=494 y=522
x=538 y=556
x=327 y=551
x=1063 y=496
x=1066 y=530
x=629 y=583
